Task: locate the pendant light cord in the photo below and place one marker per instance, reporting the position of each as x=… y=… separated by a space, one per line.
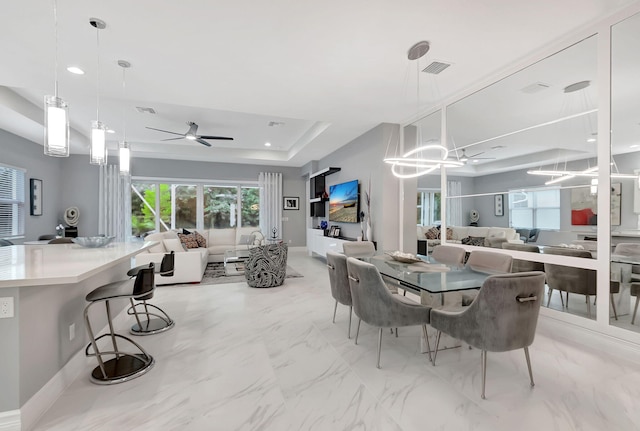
x=124 y=120
x=55 y=26
x=98 y=75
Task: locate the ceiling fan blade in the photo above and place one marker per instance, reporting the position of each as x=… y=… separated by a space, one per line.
x=222 y=138
x=166 y=131
x=475 y=155
x=172 y=139
x=203 y=142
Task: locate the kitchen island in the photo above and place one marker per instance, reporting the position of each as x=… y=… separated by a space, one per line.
x=43 y=343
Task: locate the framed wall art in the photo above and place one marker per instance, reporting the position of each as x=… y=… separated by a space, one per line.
x=35 y=193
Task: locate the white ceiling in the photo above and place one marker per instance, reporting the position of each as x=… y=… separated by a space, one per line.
x=328 y=70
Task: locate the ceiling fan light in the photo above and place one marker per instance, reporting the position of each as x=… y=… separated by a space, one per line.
x=190 y=137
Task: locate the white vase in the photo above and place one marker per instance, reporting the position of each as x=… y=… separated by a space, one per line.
x=369 y=233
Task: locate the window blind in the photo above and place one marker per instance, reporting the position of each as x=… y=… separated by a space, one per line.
x=12 y=202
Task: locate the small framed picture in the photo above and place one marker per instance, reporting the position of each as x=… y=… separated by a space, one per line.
x=336 y=232
x=332 y=231
x=36 y=197
x=498 y=201
x=291 y=203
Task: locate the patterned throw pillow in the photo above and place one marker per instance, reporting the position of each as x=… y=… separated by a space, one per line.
x=473 y=240
x=449 y=234
x=433 y=233
x=189 y=241
x=200 y=239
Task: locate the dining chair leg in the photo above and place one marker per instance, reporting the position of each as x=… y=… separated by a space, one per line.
x=350 y=313
x=588 y=306
x=526 y=354
x=484 y=371
x=358 y=330
x=436 y=352
x=379 y=345
x=426 y=337
x=635 y=310
x=613 y=305
x=335 y=308
x=549 y=296
x=567 y=299
x=396 y=332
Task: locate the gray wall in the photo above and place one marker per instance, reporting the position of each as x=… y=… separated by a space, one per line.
x=21 y=153
x=361 y=159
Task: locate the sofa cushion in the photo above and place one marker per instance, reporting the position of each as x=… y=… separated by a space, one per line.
x=220 y=249
x=433 y=233
x=189 y=240
x=222 y=236
x=158 y=248
x=202 y=242
x=477 y=231
x=459 y=232
x=173 y=244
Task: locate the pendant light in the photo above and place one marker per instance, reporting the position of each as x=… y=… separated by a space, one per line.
x=56 y=111
x=125 y=151
x=425 y=158
x=98 y=146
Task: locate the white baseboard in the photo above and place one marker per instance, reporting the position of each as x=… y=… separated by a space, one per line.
x=10 y=420
x=41 y=401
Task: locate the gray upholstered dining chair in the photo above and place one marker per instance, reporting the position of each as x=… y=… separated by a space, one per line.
x=486 y=262
x=452 y=256
x=339 y=281
x=359 y=249
x=635 y=291
x=575 y=280
x=373 y=303
x=519 y=265
x=630 y=249
x=503 y=317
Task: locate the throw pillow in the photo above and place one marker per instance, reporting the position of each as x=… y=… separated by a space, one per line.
x=474 y=240
x=186 y=232
x=200 y=239
x=189 y=241
x=158 y=248
x=449 y=234
x=173 y=244
x=433 y=233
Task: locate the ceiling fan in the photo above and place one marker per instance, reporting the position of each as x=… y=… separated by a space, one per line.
x=465 y=158
x=192 y=135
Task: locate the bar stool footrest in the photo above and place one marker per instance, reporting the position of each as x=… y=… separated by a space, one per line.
x=151 y=326
x=122 y=369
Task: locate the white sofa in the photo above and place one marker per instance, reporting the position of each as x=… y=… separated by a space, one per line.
x=493 y=236
x=190 y=264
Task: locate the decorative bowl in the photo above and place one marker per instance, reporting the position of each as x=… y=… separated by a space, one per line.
x=93 y=241
x=404 y=257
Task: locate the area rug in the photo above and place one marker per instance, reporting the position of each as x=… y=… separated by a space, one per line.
x=216 y=274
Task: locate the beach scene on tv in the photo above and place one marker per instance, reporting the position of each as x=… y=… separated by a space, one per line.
x=343 y=202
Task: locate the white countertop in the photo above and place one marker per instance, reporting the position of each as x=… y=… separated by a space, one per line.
x=36 y=265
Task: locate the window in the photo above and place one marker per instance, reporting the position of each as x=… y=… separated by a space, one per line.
x=161 y=206
x=12 y=207
x=535 y=209
x=428 y=208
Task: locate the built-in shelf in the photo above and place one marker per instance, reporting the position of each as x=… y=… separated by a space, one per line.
x=317 y=186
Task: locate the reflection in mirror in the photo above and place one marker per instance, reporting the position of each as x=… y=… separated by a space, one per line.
x=518 y=139
x=625 y=148
x=426 y=131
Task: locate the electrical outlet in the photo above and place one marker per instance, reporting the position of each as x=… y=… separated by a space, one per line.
x=6 y=307
x=72 y=331
x=285 y=218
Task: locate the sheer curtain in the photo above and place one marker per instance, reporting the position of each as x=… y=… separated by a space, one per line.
x=114 y=209
x=454 y=205
x=270 y=204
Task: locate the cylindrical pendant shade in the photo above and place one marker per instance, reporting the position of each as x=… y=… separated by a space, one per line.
x=56 y=127
x=98 y=147
x=125 y=159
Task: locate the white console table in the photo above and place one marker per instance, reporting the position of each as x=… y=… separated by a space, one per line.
x=319 y=244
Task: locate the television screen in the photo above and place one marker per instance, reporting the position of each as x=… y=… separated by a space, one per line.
x=343 y=202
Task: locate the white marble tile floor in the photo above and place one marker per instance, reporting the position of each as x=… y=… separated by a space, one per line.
x=270 y=359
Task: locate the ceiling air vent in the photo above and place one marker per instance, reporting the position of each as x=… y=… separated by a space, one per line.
x=275 y=123
x=535 y=87
x=143 y=109
x=436 y=67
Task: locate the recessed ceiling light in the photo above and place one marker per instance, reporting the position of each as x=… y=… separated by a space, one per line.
x=591 y=140
x=267 y=144
x=635 y=146
x=75 y=70
x=474 y=161
x=111 y=131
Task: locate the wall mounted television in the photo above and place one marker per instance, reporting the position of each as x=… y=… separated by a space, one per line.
x=344 y=203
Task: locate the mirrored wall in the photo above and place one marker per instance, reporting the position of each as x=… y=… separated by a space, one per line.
x=625 y=149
